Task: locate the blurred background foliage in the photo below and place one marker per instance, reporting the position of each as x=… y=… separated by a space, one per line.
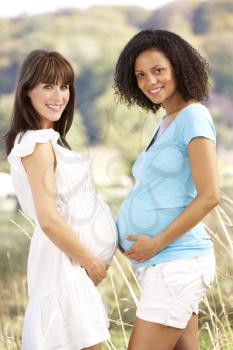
x=92 y=40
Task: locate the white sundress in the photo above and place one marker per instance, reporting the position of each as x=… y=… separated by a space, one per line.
x=65 y=310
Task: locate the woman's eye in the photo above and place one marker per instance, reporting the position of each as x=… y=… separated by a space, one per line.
x=139 y=75
x=64 y=87
x=158 y=70
x=47 y=86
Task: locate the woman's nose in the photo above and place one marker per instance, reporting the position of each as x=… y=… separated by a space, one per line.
x=57 y=93
x=151 y=79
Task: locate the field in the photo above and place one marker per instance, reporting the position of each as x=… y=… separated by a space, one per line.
x=120 y=290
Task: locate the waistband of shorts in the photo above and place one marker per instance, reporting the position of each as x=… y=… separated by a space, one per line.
x=210 y=257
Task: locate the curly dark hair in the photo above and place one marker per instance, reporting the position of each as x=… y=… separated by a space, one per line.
x=190 y=68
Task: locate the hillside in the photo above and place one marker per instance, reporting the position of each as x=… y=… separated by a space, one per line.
x=92 y=40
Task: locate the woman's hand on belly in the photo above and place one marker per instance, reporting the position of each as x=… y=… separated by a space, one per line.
x=144 y=247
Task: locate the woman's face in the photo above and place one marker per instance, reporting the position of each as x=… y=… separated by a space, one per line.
x=49 y=101
x=155 y=78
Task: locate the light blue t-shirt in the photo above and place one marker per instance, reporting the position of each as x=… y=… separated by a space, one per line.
x=164 y=187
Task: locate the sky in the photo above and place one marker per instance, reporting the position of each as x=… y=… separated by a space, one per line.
x=12 y=8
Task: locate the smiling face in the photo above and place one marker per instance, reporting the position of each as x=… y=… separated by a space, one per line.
x=49 y=101
x=155 y=78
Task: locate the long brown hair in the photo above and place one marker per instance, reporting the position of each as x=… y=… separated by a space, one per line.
x=40 y=66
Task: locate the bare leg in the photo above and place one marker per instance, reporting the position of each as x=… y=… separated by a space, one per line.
x=189 y=338
x=153 y=336
x=94 y=347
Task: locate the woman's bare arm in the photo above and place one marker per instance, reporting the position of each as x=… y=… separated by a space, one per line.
x=40 y=171
x=203 y=163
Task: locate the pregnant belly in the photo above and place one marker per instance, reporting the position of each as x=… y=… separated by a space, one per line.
x=93 y=222
x=141 y=219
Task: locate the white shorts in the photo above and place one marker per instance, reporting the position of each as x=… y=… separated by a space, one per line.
x=171 y=291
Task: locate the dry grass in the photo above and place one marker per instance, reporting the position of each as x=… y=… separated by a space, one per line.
x=120 y=289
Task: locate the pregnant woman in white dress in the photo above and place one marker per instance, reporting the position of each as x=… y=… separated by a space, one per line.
x=75 y=235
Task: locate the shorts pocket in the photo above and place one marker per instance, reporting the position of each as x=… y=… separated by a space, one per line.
x=208 y=276
x=178 y=276
x=207 y=265
x=140 y=274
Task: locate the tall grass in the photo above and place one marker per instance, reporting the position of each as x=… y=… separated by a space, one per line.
x=120 y=289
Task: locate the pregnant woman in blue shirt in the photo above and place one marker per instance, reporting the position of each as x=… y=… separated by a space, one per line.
x=176 y=185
